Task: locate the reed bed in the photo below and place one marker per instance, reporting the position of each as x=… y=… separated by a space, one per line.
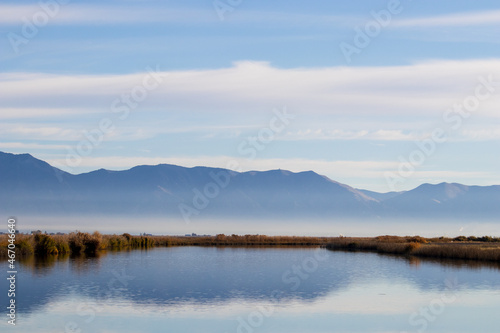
x=74 y=243
x=457 y=251
x=237 y=240
x=79 y=242
x=466 y=248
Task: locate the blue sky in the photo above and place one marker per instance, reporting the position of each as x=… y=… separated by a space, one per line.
x=363 y=105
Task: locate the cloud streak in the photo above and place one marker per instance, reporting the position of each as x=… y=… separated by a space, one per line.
x=419 y=89
x=85 y=14
x=76 y=14
x=31 y=146
x=450 y=20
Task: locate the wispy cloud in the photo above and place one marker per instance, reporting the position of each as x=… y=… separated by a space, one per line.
x=340 y=134
x=75 y=14
x=476 y=134
x=457 y=19
x=40 y=112
x=30 y=131
x=419 y=89
x=30 y=146
x=484 y=134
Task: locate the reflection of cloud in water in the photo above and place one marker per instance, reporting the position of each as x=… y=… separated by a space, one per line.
x=356 y=308
x=378 y=297
x=203 y=277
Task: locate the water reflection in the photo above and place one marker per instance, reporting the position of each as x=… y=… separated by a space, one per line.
x=83 y=263
x=167 y=276
x=193 y=281
x=40 y=265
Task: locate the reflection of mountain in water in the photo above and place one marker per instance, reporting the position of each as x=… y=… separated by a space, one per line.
x=214 y=275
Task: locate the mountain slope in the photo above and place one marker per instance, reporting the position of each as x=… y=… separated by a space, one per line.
x=29 y=186
x=447 y=200
x=381 y=196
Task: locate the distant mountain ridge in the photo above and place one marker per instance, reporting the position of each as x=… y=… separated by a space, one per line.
x=33 y=187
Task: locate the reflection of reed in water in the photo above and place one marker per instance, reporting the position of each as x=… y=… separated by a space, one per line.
x=415 y=262
x=83 y=263
x=456 y=263
x=41 y=265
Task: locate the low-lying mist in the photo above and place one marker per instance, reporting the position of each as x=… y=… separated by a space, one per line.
x=294 y=227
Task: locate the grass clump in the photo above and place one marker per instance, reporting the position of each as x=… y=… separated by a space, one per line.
x=44 y=244
x=115 y=242
x=24 y=247
x=79 y=242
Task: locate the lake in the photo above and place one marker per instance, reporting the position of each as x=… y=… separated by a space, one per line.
x=246 y=290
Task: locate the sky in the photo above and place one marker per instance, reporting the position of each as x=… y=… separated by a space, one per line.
x=380 y=95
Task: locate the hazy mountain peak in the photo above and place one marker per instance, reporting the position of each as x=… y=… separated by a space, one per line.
x=31 y=186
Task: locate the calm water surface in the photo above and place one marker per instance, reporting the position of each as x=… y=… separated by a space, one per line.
x=242 y=290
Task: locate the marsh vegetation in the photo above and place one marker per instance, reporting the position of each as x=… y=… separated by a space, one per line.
x=484 y=248
x=467 y=248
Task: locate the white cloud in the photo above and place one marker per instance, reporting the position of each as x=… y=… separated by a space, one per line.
x=393 y=103
x=91 y=14
x=26 y=131
x=481 y=134
x=73 y=13
x=340 y=134
x=457 y=19
x=25 y=146
x=33 y=112
x=423 y=89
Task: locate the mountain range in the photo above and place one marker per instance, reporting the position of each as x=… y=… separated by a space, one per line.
x=33 y=187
